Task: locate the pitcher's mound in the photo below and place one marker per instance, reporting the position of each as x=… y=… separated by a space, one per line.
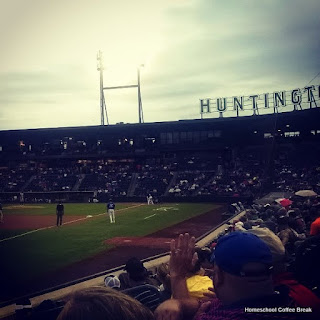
x=149 y=242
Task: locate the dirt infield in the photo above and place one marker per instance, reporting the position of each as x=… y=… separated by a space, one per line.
x=140 y=242
x=25 y=222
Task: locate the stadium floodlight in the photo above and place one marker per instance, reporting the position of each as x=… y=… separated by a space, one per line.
x=103 y=108
x=102 y=88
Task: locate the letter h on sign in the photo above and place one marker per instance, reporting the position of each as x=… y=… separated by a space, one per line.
x=205 y=107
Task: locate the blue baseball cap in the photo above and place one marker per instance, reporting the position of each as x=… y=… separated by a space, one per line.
x=236 y=249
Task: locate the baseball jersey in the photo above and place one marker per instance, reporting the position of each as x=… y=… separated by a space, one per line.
x=111 y=205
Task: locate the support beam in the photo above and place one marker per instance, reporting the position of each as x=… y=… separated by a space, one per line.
x=121 y=87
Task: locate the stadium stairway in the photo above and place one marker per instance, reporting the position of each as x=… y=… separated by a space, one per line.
x=28 y=182
x=78 y=183
x=132 y=185
x=171 y=184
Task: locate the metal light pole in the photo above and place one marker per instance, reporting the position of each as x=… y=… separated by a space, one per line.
x=139 y=97
x=103 y=107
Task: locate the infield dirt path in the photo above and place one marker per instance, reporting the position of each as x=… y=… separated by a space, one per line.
x=142 y=248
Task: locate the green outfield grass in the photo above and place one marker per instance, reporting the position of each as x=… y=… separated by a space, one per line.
x=38 y=253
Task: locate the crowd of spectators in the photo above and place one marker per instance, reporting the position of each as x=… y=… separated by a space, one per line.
x=189 y=182
x=14 y=179
x=247 y=175
x=295 y=178
x=52 y=180
x=111 y=180
x=152 y=179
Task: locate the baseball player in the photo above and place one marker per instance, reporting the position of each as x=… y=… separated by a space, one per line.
x=149 y=199
x=110 y=207
x=59 y=213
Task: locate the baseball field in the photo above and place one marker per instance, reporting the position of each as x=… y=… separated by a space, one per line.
x=33 y=249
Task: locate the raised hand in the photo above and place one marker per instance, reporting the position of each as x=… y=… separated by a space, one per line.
x=182 y=255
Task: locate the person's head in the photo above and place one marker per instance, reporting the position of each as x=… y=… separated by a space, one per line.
x=292 y=213
x=102 y=303
x=204 y=255
x=242 y=267
x=275 y=245
x=112 y=281
x=163 y=275
x=251 y=214
x=281 y=212
x=283 y=222
x=269 y=212
x=136 y=269
x=243 y=218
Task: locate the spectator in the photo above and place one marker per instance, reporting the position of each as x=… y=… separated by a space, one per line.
x=315 y=225
x=136 y=274
x=301 y=295
x=204 y=257
x=197 y=282
x=287 y=235
x=163 y=275
x=307 y=263
x=242 y=280
x=112 y=281
x=297 y=221
x=101 y=303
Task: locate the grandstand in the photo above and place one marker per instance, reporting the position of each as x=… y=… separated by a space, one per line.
x=171 y=160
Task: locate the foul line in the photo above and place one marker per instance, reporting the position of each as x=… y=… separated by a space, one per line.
x=149 y=216
x=73 y=221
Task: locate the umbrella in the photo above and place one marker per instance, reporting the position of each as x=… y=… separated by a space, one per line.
x=286 y=202
x=306 y=193
x=279 y=200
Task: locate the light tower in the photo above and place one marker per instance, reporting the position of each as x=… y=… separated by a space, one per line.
x=139 y=97
x=103 y=107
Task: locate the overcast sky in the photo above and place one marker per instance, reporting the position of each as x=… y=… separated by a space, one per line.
x=191 y=49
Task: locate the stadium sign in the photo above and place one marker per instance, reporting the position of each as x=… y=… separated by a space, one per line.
x=296 y=99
